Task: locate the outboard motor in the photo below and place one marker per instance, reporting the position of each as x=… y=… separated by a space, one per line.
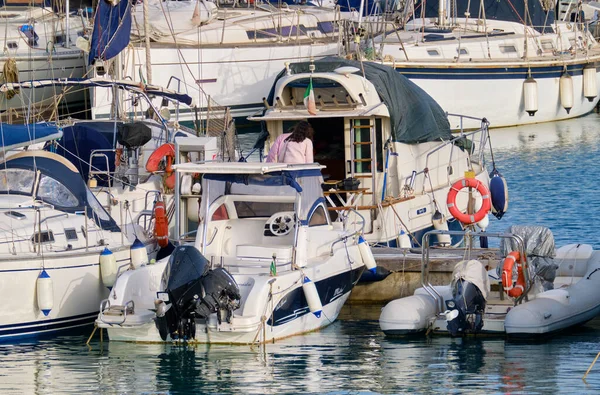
x=470 y=287
x=193 y=291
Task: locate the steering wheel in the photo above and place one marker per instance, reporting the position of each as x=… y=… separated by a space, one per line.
x=280 y=224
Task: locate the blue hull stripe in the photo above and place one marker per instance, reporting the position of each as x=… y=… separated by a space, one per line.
x=37 y=269
x=13 y=331
x=330 y=289
x=492 y=73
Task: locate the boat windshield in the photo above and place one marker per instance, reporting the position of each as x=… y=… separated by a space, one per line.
x=19 y=181
x=53 y=192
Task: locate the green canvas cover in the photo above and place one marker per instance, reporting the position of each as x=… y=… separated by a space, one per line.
x=415 y=116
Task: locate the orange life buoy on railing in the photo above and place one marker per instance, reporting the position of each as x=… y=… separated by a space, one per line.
x=166 y=151
x=486 y=204
x=161 y=224
x=514 y=291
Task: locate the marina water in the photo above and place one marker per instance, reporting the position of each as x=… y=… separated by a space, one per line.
x=551 y=170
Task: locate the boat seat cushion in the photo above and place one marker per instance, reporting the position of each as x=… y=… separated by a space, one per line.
x=572 y=260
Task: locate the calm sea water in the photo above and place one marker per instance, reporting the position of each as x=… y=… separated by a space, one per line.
x=551 y=171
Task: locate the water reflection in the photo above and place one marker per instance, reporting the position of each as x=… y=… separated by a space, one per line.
x=349 y=356
x=550 y=170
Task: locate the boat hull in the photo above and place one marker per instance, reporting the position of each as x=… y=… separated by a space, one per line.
x=236 y=77
x=496 y=91
x=77 y=292
x=62 y=64
x=288 y=313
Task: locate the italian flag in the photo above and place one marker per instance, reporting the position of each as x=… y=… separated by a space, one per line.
x=309 y=99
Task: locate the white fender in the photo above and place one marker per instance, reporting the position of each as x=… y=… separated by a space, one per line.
x=108 y=268
x=45 y=293
x=566 y=91
x=590 y=89
x=404 y=240
x=530 y=96
x=312 y=297
x=440 y=223
x=139 y=255
x=366 y=254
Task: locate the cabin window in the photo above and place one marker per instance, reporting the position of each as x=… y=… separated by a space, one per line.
x=71 y=234
x=286 y=31
x=260 y=209
x=462 y=51
x=12 y=45
x=547 y=45
x=433 y=52
x=43 y=237
x=83 y=232
x=53 y=192
x=508 y=49
x=318 y=217
x=220 y=214
x=16 y=181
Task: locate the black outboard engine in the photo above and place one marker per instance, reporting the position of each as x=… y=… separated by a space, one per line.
x=466 y=309
x=193 y=292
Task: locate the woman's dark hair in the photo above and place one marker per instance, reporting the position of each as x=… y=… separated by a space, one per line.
x=301 y=131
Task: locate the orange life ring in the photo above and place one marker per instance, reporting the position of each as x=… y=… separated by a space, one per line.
x=514 y=291
x=486 y=204
x=161 y=224
x=166 y=151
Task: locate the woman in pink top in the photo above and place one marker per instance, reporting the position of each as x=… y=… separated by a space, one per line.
x=294 y=147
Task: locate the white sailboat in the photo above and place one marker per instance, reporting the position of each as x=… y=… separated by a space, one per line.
x=61 y=250
x=511 y=61
x=40 y=43
x=223 y=53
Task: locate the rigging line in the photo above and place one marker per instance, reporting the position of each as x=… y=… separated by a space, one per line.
x=183 y=58
x=96 y=168
x=6 y=180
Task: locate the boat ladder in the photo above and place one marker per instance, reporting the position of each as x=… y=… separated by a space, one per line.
x=363 y=163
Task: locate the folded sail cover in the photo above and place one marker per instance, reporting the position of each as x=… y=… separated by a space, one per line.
x=414 y=115
x=16 y=136
x=112 y=28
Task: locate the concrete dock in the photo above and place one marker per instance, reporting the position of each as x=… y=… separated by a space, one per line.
x=405 y=268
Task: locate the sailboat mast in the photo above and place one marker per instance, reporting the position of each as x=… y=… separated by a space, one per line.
x=67 y=35
x=147 y=42
x=442 y=12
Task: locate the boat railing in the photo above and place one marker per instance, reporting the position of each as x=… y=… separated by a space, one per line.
x=469 y=236
x=276 y=18
x=96 y=171
x=354 y=233
x=476 y=152
x=385 y=28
